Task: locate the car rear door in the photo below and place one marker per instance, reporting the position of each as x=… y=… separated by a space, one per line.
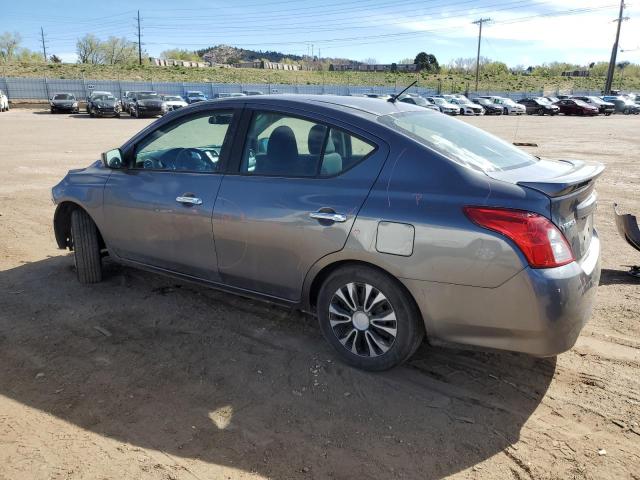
x=292 y=198
x=158 y=210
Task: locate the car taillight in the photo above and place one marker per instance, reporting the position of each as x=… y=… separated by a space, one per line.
x=541 y=242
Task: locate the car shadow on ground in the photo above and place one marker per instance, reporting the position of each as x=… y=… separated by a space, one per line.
x=617 y=277
x=205 y=375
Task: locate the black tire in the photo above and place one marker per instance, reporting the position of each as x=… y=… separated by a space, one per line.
x=53 y=110
x=505 y=111
x=626 y=111
x=86 y=248
x=541 y=111
x=409 y=324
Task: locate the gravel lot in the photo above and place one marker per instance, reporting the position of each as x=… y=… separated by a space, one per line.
x=145 y=377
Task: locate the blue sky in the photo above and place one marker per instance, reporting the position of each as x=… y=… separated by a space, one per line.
x=522 y=32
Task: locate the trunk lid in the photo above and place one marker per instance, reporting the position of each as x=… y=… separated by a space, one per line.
x=570 y=186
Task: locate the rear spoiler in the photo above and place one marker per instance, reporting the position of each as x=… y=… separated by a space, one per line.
x=580 y=176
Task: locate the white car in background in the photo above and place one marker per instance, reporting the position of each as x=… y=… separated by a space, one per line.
x=4 y=102
x=174 y=102
x=444 y=105
x=467 y=107
x=508 y=105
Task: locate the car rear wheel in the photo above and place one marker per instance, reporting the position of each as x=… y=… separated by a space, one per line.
x=86 y=247
x=368 y=318
x=626 y=111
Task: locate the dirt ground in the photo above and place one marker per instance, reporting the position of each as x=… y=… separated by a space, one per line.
x=145 y=377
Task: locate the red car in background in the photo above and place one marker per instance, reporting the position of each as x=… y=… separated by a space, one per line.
x=572 y=106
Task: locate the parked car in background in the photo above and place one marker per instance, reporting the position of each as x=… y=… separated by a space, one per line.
x=573 y=106
x=444 y=105
x=605 y=108
x=147 y=104
x=64 y=102
x=252 y=92
x=174 y=102
x=127 y=98
x=539 y=106
x=229 y=95
x=4 y=102
x=508 y=106
x=490 y=108
x=505 y=256
x=563 y=97
x=193 y=96
x=466 y=106
x=552 y=99
x=622 y=105
x=414 y=99
x=102 y=104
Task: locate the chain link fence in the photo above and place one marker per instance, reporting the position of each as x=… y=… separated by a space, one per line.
x=44 y=89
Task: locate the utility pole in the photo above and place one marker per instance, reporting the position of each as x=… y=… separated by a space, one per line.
x=479 y=22
x=44 y=46
x=614 y=52
x=139 y=41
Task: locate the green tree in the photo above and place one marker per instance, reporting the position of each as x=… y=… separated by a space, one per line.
x=119 y=51
x=9 y=45
x=428 y=62
x=180 y=54
x=89 y=49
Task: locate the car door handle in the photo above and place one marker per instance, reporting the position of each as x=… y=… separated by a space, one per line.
x=189 y=200
x=330 y=216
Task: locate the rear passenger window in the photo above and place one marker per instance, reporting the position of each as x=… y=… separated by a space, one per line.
x=286 y=146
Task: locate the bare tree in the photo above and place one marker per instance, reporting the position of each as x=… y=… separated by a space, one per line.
x=9 y=44
x=370 y=61
x=89 y=49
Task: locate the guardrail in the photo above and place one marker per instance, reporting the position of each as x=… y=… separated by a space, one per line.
x=43 y=88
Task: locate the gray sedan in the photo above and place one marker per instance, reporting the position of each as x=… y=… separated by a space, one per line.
x=387 y=221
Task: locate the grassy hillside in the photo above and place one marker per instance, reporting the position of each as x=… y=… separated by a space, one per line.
x=450 y=82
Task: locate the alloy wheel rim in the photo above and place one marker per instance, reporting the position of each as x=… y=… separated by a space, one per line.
x=363 y=319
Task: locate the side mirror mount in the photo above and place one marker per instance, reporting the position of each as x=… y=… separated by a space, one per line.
x=113 y=159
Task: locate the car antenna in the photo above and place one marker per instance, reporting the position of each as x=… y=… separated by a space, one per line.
x=397 y=95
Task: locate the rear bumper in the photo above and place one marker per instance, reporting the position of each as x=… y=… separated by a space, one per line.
x=538 y=311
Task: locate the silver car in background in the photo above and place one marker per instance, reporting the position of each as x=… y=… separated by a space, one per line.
x=387 y=221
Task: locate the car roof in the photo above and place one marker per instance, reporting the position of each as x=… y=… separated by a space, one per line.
x=348 y=104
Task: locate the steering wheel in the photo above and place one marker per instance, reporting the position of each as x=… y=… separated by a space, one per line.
x=192 y=159
x=153 y=163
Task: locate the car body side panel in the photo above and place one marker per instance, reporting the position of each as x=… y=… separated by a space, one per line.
x=85 y=187
x=538 y=311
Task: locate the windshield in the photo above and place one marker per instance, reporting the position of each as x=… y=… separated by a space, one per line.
x=483 y=101
x=439 y=101
x=460 y=142
x=147 y=96
x=104 y=97
x=195 y=94
x=419 y=101
x=581 y=103
x=508 y=101
x=62 y=96
x=170 y=98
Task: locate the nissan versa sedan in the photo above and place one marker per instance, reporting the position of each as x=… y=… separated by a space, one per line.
x=64 y=102
x=388 y=221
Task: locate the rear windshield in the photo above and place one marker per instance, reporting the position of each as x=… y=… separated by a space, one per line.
x=464 y=144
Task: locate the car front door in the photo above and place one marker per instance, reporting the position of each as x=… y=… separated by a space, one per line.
x=158 y=209
x=298 y=186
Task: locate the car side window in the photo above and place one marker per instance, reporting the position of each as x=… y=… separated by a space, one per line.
x=194 y=144
x=282 y=145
